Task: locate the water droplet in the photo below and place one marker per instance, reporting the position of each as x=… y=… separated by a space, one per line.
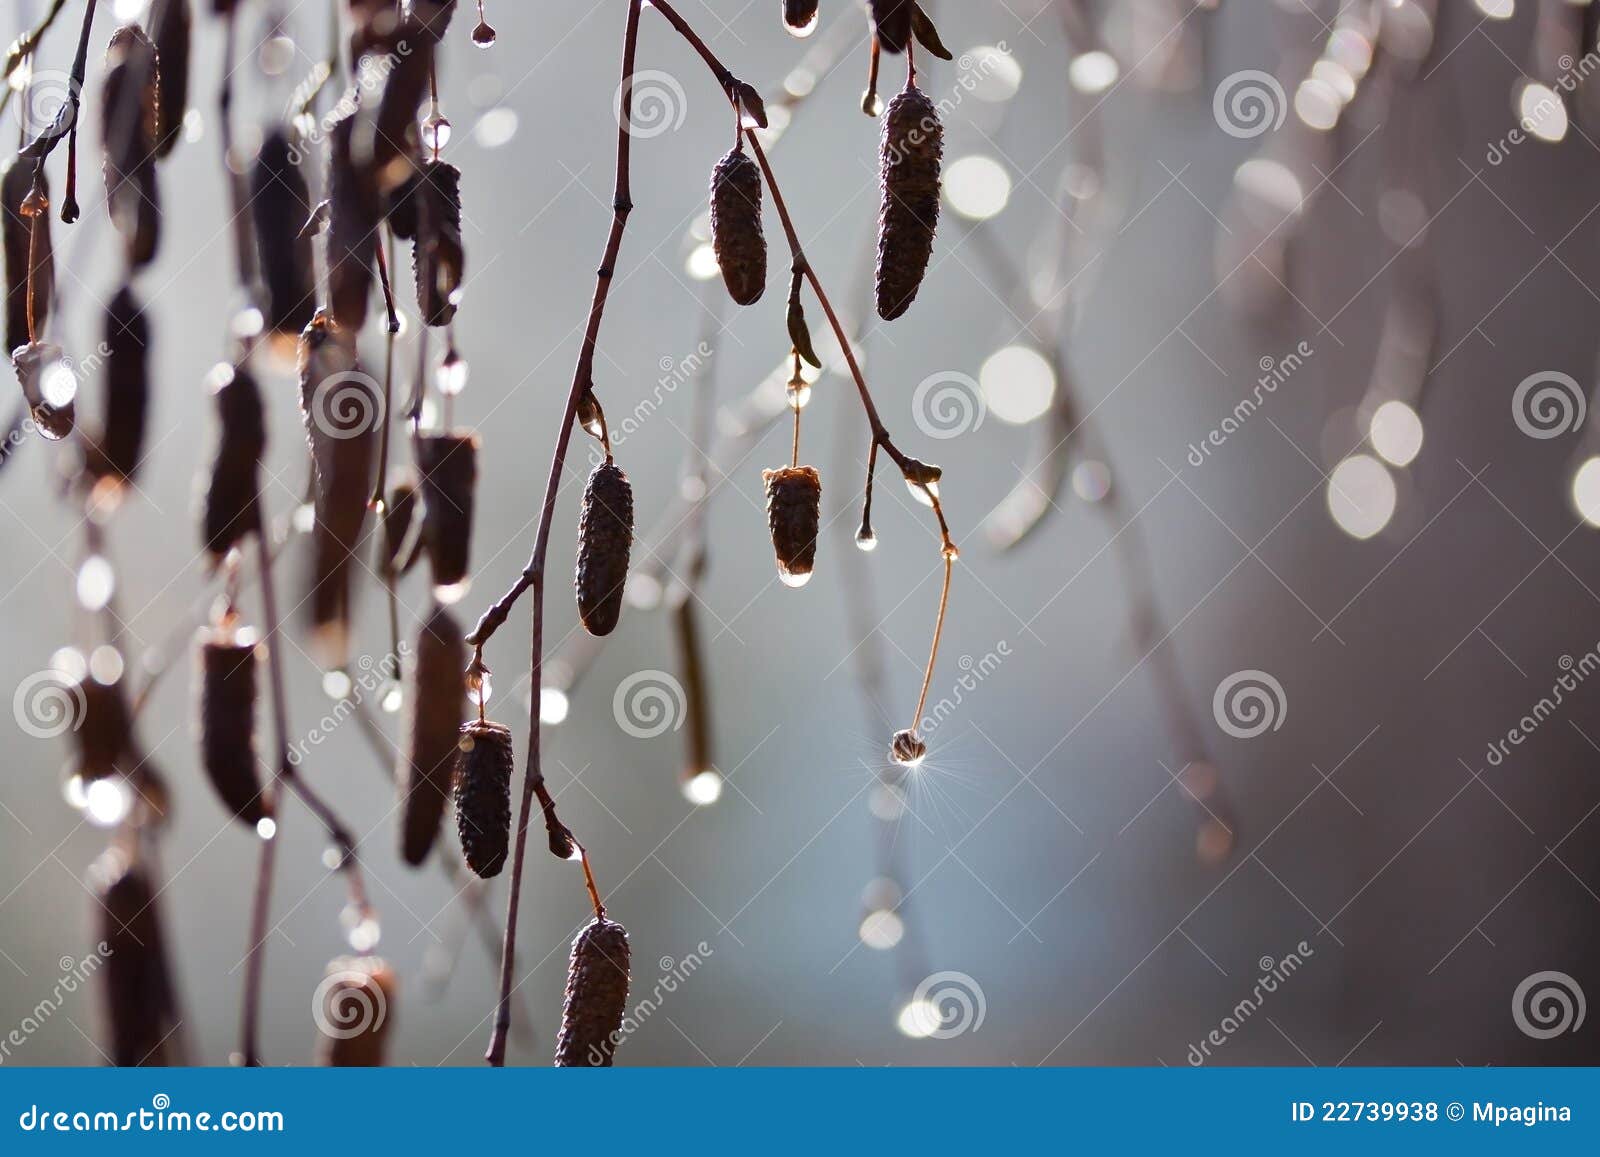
x=867 y=539
x=553 y=705
x=393 y=698
x=805 y=28
x=480 y=687
x=436 y=132
x=799 y=397
x=483 y=35
x=96 y=582
x=703 y=788
x=790 y=578
x=451 y=376
x=266 y=827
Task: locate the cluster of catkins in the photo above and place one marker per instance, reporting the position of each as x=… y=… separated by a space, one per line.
x=910 y=155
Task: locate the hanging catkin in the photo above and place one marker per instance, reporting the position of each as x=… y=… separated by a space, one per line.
x=140 y=1001
x=736 y=234
x=398 y=511
x=102 y=728
x=912 y=147
x=120 y=443
x=343 y=421
x=597 y=996
x=438 y=260
x=280 y=203
x=605 y=538
x=230 y=504
x=794 y=506
x=892 y=20
x=448 y=464
x=394 y=147
x=353 y=205
x=800 y=16
x=17 y=231
x=435 y=699
x=484 y=768
x=130 y=117
x=228 y=723
x=356 y=1005
x=170 y=24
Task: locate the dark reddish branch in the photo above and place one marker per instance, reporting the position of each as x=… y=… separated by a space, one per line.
x=533 y=573
x=65 y=124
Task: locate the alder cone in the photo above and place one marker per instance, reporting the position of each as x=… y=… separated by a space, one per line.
x=130 y=118
x=605 y=538
x=892 y=19
x=117 y=451
x=448 y=464
x=170 y=25
x=103 y=728
x=437 y=695
x=228 y=725
x=16 y=232
x=597 y=996
x=280 y=203
x=912 y=148
x=736 y=235
x=794 y=514
x=230 y=510
x=484 y=767
x=140 y=1000
x=358 y=995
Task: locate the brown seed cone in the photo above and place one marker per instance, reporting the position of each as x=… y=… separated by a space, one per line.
x=892 y=19
x=911 y=151
x=140 y=999
x=597 y=996
x=484 y=767
x=16 y=237
x=794 y=513
x=605 y=538
x=736 y=234
x=227 y=694
x=102 y=727
x=280 y=203
x=354 y=1007
x=438 y=260
x=448 y=464
x=33 y=362
x=353 y=206
x=120 y=444
x=343 y=418
x=231 y=511
x=170 y=24
x=435 y=703
x=800 y=15
x=130 y=117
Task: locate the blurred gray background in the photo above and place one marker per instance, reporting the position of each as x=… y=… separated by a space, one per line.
x=1045 y=851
